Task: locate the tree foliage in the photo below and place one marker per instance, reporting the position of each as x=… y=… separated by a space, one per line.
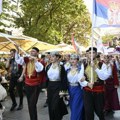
x=6 y=17
x=53 y=21
x=107 y=38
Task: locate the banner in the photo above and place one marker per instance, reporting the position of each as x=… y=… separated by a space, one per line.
x=106 y=13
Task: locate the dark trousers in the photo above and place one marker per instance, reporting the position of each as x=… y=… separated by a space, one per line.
x=19 y=85
x=32 y=93
x=93 y=102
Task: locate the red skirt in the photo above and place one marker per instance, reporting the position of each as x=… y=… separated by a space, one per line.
x=111 y=96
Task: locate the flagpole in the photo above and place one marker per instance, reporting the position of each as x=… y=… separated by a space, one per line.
x=92 y=79
x=92 y=31
x=13 y=43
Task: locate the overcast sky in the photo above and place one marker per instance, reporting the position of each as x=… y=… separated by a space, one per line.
x=89 y=4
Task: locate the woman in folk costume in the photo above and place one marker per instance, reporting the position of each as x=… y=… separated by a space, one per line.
x=111 y=84
x=75 y=75
x=57 y=81
x=33 y=70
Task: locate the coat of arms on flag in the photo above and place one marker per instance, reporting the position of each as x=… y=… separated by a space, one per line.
x=106 y=13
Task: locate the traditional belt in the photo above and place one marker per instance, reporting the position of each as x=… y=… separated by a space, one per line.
x=53 y=80
x=74 y=84
x=97 y=89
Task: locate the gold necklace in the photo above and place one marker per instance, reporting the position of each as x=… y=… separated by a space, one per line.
x=54 y=66
x=73 y=71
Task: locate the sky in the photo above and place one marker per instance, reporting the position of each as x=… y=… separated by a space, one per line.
x=89 y=4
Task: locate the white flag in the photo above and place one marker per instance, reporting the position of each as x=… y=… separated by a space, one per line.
x=0 y=6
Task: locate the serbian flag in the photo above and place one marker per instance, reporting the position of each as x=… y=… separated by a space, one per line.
x=0 y=6
x=106 y=13
x=75 y=44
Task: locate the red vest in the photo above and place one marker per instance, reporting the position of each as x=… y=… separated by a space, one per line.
x=36 y=78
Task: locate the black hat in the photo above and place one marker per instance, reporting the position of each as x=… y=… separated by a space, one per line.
x=94 y=49
x=35 y=48
x=13 y=50
x=87 y=50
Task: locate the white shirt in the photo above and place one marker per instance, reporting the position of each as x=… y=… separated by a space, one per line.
x=53 y=73
x=77 y=77
x=117 y=65
x=20 y=60
x=105 y=72
x=67 y=65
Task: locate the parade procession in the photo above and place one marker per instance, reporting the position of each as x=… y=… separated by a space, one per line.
x=59 y=59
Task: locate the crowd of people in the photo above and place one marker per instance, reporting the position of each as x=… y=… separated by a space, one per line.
x=88 y=87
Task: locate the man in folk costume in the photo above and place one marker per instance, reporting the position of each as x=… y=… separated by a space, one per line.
x=111 y=85
x=33 y=70
x=94 y=96
x=15 y=72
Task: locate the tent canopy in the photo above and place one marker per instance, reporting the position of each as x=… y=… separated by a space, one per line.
x=25 y=42
x=3 y=37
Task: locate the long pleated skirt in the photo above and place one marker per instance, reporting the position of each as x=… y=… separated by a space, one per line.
x=76 y=103
x=56 y=106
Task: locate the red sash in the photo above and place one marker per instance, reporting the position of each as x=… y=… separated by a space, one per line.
x=97 y=89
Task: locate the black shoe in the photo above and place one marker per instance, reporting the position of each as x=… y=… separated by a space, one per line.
x=45 y=105
x=107 y=112
x=13 y=107
x=20 y=107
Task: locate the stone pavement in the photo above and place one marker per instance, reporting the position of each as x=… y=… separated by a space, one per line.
x=42 y=112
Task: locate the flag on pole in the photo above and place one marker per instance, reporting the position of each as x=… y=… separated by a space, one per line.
x=0 y=6
x=75 y=44
x=106 y=13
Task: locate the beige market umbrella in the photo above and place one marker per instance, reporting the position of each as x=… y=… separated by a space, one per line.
x=25 y=43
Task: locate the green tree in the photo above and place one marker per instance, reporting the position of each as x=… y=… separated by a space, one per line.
x=6 y=17
x=107 y=38
x=53 y=21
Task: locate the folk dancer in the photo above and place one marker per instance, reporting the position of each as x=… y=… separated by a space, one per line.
x=94 y=98
x=111 y=85
x=75 y=75
x=15 y=72
x=33 y=69
x=57 y=81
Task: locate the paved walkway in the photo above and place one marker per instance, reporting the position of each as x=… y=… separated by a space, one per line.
x=42 y=112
